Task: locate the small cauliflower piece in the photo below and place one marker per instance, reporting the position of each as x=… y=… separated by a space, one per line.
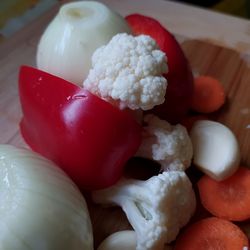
x=128 y=72
x=156 y=208
x=166 y=144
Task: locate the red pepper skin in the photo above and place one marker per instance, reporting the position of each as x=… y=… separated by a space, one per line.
x=88 y=138
x=180 y=77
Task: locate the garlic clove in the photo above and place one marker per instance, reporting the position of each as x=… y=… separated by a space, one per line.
x=216 y=149
x=125 y=240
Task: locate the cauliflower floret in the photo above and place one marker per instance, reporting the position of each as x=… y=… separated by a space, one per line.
x=156 y=208
x=128 y=72
x=169 y=145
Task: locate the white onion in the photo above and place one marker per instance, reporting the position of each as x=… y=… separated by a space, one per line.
x=40 y=207
x=66 y=47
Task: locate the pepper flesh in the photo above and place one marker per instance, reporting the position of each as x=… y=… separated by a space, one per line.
x=90 y=139
x=180 y=77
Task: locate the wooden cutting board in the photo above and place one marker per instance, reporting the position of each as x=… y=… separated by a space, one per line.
x=207 y=55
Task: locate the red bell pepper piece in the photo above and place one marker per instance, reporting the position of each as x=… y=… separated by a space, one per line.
x=88 y=138
x=180 y=77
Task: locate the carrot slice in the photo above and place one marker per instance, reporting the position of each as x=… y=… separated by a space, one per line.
x=209 y=94
x=212 y=234
x=228 y=199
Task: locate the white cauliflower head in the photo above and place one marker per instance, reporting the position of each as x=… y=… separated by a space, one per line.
x=169 y=145
x=128 y=71
x=156 y=208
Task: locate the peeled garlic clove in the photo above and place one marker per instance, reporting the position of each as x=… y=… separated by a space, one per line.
x=125 y=240
x=216 y=149
x=66 y=47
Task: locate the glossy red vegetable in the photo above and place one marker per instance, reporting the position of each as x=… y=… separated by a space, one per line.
x=180 y=78
x=88 y=137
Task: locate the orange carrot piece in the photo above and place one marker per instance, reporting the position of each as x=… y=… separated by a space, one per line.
x=212 y=234
x=228 y=199
x=209 y=94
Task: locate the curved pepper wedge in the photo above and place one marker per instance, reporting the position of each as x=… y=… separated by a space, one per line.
x=89 y=138
x=180 y=77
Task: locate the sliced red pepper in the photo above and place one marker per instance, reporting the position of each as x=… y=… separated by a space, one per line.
x=89 y=138
x=180 y=77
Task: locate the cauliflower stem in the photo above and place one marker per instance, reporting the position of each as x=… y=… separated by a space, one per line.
x=156 y=208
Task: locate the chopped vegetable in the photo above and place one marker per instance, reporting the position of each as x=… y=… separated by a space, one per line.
x=41 y=208
x=125 y=240
x=228 y=199
x=166 y=144
x=209 y=94
x=66 y=46
x=86 y=136
x=212 y=234
x=128 y=70
x=180 y=78
x=216 y=149
x=156 y=208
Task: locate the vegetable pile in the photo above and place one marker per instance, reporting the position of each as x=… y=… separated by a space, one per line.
x=108 y=89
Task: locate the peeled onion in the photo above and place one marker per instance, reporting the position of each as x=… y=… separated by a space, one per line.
x=66 y=47
x=40 y=207
x=216 y=149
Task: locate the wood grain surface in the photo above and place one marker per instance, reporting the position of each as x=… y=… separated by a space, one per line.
x=208 y=54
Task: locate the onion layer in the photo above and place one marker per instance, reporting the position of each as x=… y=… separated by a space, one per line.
x=66 y=47
x=40 y=207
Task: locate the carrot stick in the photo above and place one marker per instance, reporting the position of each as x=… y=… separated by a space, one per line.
x=228 y=199
x=212 y=234
x=208 y=96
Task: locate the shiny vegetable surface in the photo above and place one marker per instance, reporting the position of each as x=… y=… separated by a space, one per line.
x=41 y=208
x=180 y=78
x=88 y=137
x=77 y=30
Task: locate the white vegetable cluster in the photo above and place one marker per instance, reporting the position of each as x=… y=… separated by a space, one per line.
x=156 y=208
x=169 y=145
x=128 y=71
